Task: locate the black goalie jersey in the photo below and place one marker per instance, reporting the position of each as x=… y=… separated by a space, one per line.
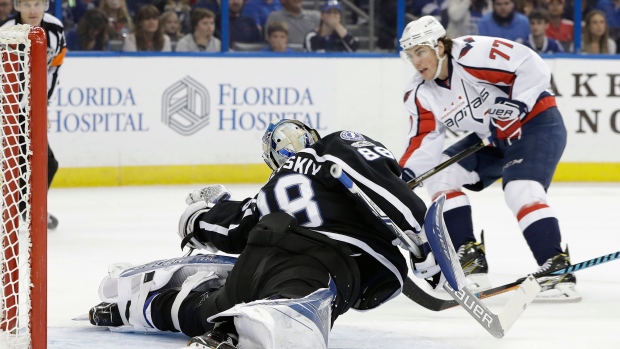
x=304 y=188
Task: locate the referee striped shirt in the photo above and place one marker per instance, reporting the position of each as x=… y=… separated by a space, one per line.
x=56 y=46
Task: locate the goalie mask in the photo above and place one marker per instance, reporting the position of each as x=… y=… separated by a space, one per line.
x=283 y=138
x=425 y=31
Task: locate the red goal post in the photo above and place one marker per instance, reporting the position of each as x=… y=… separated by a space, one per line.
x=23 y=164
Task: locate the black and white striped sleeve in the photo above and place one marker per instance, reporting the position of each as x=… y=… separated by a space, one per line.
x=375 y=169
x=227 y=225
x=56 y=50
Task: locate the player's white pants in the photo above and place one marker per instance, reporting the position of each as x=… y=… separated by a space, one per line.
x=517 y=193
x=450 y=179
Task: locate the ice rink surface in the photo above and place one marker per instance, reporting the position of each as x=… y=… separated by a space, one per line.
x=100 y=226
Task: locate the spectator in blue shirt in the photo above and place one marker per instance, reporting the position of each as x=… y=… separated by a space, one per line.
x=611 y=8
x=538 y=41
x=421 y=8
x=242 y=28
x=260 y=10
x=277 y=37
x=586 y=7
x=331 y=35
x=505 y=22
x=211 y=5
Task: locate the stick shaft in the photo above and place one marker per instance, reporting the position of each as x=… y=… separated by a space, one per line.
x=428 y=301
x=336 y=172
x=456 y=158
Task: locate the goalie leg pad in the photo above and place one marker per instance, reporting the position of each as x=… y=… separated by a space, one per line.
x=136 y=284
x=284 y=323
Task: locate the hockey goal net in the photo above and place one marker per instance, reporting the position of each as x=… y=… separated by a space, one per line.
x=23 y=164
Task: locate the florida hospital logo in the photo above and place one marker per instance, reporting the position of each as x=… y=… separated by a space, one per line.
x=185 y=106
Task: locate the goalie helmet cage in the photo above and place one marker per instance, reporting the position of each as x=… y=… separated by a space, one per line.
x=23 y=164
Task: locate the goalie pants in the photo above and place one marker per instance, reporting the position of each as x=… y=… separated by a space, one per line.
x=281 y=260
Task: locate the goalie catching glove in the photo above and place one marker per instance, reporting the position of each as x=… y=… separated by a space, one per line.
x=210 y=194
x=199 y=201
x=506 y=117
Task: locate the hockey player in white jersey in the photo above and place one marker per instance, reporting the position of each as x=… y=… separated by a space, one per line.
x=496 y=89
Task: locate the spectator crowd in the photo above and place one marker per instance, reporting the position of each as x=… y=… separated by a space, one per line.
x=546 y=26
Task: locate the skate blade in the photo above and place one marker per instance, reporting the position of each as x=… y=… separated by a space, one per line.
x=475 y=283
x=83 y=317
x=478 y=282
x=198 y=346
x=562 y=293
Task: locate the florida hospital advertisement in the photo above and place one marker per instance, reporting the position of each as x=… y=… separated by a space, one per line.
x=162 y=111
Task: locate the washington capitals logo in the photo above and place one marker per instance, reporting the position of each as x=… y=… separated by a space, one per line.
x=467 y=47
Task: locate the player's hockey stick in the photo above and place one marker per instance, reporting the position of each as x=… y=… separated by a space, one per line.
x=456 y=158
x=428 y=301
x=496 y=325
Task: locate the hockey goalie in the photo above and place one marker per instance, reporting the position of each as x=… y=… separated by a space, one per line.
x=308 y=251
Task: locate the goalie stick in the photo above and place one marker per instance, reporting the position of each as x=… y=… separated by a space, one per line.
x=428 y=301
x=496 y=325
x=456 y=158
x=336 y=172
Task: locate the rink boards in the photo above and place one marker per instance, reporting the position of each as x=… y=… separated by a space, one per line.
x=126 y=120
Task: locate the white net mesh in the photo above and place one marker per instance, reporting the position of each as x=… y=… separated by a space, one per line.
x=15 y=151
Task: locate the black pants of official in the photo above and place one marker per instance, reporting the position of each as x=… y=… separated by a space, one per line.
x=280 y=260
x=52 y=168
x=52 y=165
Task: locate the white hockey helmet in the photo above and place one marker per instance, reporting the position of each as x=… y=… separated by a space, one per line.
x=283 y=138
x=424 y=31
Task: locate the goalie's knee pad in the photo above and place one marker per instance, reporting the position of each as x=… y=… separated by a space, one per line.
x=137 y=284
x=302 y=323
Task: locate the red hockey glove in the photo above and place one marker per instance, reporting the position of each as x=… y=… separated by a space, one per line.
x=506 y=117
